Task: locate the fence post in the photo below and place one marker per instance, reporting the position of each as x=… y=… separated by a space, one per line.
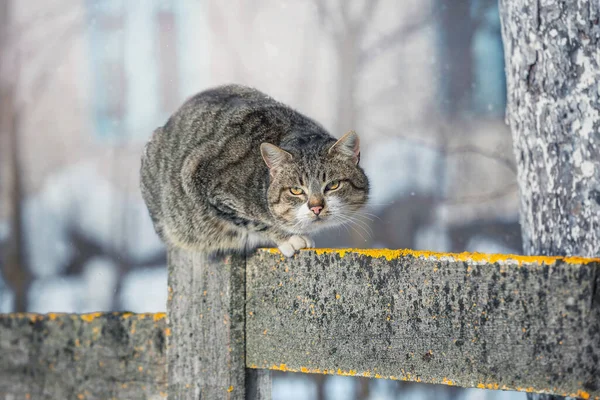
x=206 y=318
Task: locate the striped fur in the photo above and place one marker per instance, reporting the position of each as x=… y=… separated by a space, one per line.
x=208 y=188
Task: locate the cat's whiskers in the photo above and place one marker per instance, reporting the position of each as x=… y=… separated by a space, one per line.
x=351 y=221
x=349 y=224
x=356 y=216
x=368 y=215
x=364 y=229
x=359 y=223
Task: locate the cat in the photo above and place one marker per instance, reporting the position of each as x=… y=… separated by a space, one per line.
x=233 y=169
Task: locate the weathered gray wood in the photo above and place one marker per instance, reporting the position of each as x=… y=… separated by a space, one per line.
x=552 y=53
x=90 y=356
x=206 y=315
x=518 y=323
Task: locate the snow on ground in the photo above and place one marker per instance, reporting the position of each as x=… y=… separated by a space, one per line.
x=78 y=197
x=6 y=297
x=145 y=290
x=99 y=280
x=432 y=237
x=47 y=248
x=340 y=387
x=55 y=295
x=295 y=386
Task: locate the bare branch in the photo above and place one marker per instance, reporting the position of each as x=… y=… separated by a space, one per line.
x=52 y=59
x=392 y=39
x=483 y=197
x=444 y=151
x=414 y=140
x=18 y=32
x=344 y=12
x=381 y=95
x=326 y=19
x=369 y=10
x=507 y=162
x=490 y=154
x=359 y=24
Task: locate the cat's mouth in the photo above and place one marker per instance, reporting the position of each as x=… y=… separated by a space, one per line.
x=320 y=219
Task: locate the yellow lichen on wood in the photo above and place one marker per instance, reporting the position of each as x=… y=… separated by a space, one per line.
x=91 y=316
x=468 y=257
x=582 y=394
x=159 y=316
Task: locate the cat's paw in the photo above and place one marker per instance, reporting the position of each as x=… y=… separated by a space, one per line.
x=295 y=243
x=286 y=249
x=309 y=242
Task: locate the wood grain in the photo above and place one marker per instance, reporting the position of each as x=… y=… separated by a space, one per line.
x=89 y=356
x=520 y=323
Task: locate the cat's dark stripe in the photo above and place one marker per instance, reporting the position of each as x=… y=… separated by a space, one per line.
x=363 y=189
x=278 y=199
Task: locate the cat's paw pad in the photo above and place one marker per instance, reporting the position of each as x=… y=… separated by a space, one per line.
x=295 y=243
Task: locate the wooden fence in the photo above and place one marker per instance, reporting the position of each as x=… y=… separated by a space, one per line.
x=472 y=320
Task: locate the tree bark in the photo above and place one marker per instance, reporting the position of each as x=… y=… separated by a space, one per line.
x=552 y=51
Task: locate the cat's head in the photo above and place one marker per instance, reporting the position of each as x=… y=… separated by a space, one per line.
x=317 y=187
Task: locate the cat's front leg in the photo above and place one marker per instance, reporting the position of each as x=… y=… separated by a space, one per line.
x=294 y=243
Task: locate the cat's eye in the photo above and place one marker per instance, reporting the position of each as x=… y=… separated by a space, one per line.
x=296 y=191
x=332 y=185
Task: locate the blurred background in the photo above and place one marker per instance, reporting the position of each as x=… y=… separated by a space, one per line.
x=83 y=83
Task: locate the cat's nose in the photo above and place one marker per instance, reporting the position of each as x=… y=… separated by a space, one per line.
x=316 y=210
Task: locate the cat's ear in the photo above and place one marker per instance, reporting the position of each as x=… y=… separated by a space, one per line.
x=348 y=146
x=274 y=156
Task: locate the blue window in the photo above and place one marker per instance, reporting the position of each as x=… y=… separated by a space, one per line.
x=135 y=67
x=472 y=79
x=107 y=56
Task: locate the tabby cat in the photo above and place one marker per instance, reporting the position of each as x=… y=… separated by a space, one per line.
x=233 y=169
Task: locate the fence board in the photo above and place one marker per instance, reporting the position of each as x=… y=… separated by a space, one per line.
x=206 y=316
x=520 y=323
x=89 y=356
x=472 y=320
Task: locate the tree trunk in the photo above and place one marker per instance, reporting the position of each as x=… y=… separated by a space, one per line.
x=552 y=51
x=14 y=264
